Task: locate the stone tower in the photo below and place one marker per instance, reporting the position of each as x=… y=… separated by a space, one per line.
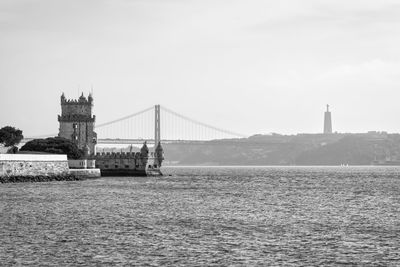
x=327 y=121
x=77 y=122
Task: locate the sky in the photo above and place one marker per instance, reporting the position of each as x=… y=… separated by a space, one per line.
x=249 y=66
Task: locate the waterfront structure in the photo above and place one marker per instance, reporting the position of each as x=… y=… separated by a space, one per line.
x=77 y=122
x=327 y=121
x=131 y=163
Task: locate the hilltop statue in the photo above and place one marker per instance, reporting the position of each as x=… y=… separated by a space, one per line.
x=327 y=121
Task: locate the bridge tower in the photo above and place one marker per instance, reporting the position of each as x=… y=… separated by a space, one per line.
x=327 y=121
x=77 y=122
x=157 y=128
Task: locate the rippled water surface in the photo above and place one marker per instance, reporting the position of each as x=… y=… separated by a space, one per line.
x=207 y=216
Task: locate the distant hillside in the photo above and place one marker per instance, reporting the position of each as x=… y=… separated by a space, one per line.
x=301 y=149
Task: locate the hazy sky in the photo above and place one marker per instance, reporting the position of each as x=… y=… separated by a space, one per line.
x=250 y=66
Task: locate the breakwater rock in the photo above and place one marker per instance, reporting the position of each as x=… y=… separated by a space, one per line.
x=39 y=178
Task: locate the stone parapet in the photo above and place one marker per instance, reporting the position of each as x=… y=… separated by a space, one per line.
x=81 y=101
x=33 y=165
x=76 y=117
x=81 y=163
x=121 y=155
x=117 y=155
x=33 y=157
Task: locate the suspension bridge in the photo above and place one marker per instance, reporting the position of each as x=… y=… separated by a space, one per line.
x=156 y=123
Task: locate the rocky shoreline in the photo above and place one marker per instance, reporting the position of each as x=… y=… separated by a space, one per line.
x=39 y=178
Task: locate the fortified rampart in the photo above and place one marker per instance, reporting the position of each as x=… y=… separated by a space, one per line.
x=129 y=160
x=33 y=165
x=141 y=163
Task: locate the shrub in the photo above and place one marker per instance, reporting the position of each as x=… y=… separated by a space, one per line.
x=54 y=145
x=12 y=150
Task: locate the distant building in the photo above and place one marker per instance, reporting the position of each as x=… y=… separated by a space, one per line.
x=77 y=122
x=327 y=121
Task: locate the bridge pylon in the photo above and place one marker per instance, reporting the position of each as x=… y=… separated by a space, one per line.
x=157 y=126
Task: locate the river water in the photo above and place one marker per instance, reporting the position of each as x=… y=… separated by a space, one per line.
x=215 y=216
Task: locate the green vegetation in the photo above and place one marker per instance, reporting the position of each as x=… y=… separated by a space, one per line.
x=302 y=149
x=55 y=145
x=10 y=137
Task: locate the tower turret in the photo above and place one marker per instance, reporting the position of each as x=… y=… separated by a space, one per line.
x=144 y=157
x=158 y=155
x=82 y=98
x=144 y=151
x=63 y=99
x=90 y=98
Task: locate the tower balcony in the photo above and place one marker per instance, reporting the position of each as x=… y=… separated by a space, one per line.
x=76 y=118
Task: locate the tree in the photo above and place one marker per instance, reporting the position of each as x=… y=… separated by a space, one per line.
x=12 y=150
x=10 y=136
x=54 y=145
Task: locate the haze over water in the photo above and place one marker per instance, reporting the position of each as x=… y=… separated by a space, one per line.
x=207 y=216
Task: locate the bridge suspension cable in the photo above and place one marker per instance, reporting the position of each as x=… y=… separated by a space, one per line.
x=124 y=118
x=203 y=124
x=167 y=125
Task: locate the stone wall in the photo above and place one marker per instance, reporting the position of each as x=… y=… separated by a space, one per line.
x=33 y=165
x=77 y=109
x=85 y=133
x=86 y=173
x=82 y=163
x=130 y=160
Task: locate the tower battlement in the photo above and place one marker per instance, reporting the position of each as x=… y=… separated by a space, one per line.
x=76 y=109
x=122 y=155
x=82 y=100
